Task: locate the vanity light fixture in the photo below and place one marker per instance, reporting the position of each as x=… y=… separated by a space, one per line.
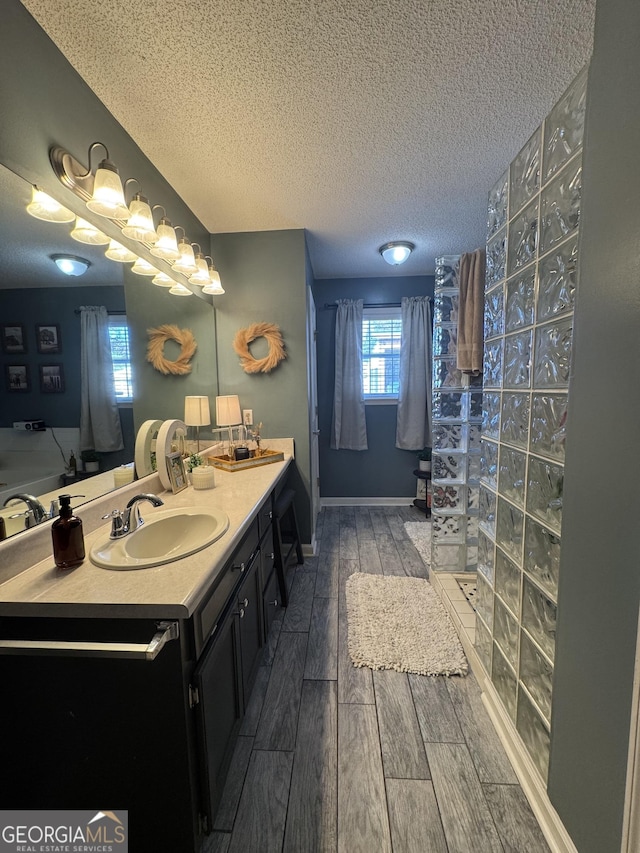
x=142 y=267
x=396 y=252
x=186 y=263
x=42 y=206
x=71 y=264
x=85 y=232
x=118 y=252
x=166 y=246
x=139 y=225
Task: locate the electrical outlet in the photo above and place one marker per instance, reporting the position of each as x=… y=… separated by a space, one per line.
x=247 y=417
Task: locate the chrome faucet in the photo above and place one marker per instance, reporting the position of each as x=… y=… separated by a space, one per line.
x=121 y=522
x=34 y=505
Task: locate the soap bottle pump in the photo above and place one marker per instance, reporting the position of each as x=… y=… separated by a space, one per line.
x=67 y=535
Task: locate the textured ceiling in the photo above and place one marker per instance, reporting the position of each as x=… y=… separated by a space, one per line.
x=360 y=121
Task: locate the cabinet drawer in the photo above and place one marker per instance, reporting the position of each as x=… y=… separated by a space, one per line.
x=208 y=615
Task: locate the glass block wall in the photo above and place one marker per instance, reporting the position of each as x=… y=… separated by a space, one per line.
x=532 y=245
x=457 y=415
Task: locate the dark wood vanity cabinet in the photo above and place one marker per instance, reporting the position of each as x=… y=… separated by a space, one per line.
x=152 y=736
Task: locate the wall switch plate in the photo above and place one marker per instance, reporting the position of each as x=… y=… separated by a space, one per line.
x=247 y=417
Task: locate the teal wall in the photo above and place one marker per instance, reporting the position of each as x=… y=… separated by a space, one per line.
x=599 y=589
x=264 y=276
x=382 y=470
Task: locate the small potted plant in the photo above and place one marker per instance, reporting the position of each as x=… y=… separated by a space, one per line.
x=91 y=461
x=424 y=459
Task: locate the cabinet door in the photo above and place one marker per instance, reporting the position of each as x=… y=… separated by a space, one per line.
x=219 y=708
x=251 y=627
x=272 y=603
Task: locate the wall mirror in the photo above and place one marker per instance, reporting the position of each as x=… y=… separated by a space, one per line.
x=40 y=302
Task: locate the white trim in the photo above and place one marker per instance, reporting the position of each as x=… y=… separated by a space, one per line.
x=531 y=783
x=381 y=401
x=554 y=830
x=310 y=549
x=366 y=501
x=631 y=823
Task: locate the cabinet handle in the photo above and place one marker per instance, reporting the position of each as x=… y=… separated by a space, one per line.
x=73 y=648
x=274 y=602
x=245 y=603
x=241 y=613
x=241 y=567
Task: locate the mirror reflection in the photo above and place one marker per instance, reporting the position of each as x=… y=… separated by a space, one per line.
x=40 y=387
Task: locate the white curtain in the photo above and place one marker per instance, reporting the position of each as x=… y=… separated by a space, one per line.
x=413 y=427
x=349 y=428
x=99 y=417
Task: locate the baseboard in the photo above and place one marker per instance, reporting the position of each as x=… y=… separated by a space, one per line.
x=366 y=501
x=310 y=549
x=554 y=830
x=532 y=785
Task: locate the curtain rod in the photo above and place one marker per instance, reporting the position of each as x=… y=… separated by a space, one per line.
x=373 y=304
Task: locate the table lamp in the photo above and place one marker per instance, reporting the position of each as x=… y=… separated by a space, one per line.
x=197 y=414
x=228 y=414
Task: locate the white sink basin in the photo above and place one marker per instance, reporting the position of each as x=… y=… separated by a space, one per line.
x=166 y=535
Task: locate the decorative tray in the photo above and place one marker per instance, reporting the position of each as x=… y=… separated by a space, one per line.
x=228 y=464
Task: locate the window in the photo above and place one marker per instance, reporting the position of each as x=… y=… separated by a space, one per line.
x=121 y=357
x=381 y=337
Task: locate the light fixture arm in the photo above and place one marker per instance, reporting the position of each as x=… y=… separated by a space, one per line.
x=164 y=212
x=90 y=152
x=135 y=181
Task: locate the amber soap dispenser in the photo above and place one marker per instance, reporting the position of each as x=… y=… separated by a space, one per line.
x=67 y=535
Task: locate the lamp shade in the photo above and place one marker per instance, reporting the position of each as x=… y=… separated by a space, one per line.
x=118 y=252
x=42 y=206
x=108 y=195
x=140 y=222
x=167 y=244
x=196 y=411
x=228 y=410
x=85 y=232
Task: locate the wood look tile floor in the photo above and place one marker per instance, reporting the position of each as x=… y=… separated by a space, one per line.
x=334 y=758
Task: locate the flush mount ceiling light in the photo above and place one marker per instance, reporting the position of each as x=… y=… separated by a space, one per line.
x=396 y=252
x=71 y=264
x=42 y=206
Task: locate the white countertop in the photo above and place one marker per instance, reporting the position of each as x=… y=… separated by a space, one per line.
x=173 y=590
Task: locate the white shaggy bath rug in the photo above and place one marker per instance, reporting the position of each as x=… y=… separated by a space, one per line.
x=420 y=534
x=400 y=623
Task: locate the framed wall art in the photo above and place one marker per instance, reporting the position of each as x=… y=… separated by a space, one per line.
x=48 y=338
x=51 y=378
x=177 y=473
x=17 y=377
x=13 y=338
